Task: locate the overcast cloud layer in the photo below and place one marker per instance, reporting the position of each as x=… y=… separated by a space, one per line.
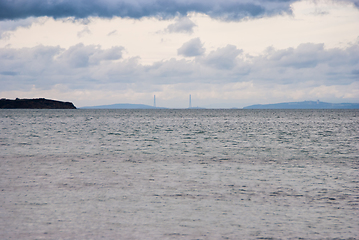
x=228 y=10
x=231 y=10
x=308 y=51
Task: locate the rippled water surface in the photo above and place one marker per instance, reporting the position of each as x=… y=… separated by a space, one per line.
x=179 y=174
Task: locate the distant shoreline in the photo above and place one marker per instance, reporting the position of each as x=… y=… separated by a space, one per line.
x=287 y=105
x=42 y=103
x=305 y=105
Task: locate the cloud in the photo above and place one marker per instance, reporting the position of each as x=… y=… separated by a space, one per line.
x=80 y=56
x=84 y=32
x=223 y=58
x=192 y=48
x=112 y=33
x=11 y=25
x=306 y=55
x=23 y=67
x=171 y=71
x=299 y=73
x=182 y=25
x=307 y=63
x=9 y=73
x=312 y=56
x=355 y=2
x=46 y=66
x=227 y=10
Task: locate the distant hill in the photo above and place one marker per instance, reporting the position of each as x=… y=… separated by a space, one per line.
x=305 y=105
x=123 y=106
x=36 y=103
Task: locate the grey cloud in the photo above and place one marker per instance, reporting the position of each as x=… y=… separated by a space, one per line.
x=192 y=48
x=306 y=55
x=183 y=25
x=87 y=67
x=78 y=55
x=114 y=32
x=9 y=73
x=11 y=25
x=84 y=31
x=223 y=58
x=308 y=63
x=355 y=2
x=226 y=10
x=34 y=59
x=310 y=55
x=114 y=53
x=25 y=67
x=171 y=71
x=129 y=70
x=82 y=56
x=46 y=66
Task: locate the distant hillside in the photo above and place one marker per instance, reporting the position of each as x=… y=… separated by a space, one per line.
x=123 y=106
x=305 y=105
x=36 y=103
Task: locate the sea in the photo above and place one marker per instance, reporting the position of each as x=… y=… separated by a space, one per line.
x=179 y=174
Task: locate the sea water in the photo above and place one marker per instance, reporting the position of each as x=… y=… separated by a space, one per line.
x=179 y=174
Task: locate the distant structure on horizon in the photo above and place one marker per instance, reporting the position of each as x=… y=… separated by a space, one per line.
x=190 y=101
x=154 y=100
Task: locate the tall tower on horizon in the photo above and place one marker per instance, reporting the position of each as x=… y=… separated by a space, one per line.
x=190 y=101
x=154 y=100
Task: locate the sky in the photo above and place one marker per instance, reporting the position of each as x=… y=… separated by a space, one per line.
x=229 y=53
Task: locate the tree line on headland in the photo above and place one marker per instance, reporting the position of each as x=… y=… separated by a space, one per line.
x=36 y=103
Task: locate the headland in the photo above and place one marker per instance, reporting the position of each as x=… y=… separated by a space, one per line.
x=36 y=103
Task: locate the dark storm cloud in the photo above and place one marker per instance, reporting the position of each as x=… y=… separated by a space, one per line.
x=192 y=48
x=227 y=10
